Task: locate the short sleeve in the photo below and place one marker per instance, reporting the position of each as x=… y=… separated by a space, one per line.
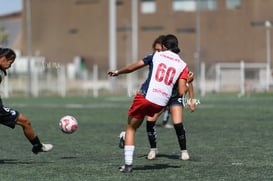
x=184 y=73
x=148 y=59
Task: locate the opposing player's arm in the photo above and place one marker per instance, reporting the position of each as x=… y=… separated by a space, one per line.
x=182 y=86
x=190 y=77
x=182 y=81
x=191 y=95
x=127 y=69
x=191 y=104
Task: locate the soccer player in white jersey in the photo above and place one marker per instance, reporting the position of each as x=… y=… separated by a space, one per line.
x=10 y=117
x=175 y=108
x=165 y=69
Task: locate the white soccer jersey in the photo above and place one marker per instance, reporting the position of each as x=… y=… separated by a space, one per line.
x=165 y=68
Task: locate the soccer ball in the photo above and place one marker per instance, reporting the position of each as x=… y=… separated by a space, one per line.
x=68 y=124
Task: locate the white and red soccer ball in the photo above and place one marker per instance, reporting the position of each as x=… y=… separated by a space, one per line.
x=68 y=124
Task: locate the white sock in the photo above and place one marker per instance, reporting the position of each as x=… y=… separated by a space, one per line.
x=166 y=115
x=128 y=154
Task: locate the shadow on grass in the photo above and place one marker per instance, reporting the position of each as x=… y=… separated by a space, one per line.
x=156 y=167
x=68 y=157
x=172 y=157
x=14 y=161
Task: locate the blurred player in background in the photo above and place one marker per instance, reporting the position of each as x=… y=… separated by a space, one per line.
x=165 y=69
x=166 y=116
x=10 y=117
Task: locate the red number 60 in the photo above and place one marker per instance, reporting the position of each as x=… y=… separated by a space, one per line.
x=162 y=73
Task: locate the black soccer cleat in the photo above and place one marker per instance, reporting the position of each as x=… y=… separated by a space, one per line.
x=126 y=169
x=41 y=148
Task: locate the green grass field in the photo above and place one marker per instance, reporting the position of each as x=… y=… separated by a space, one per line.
x=228 y=138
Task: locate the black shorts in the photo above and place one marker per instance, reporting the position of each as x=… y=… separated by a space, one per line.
x=8 y=116
x=176 y=101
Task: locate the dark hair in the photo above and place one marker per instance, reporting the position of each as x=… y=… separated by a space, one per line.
x=171 y=43
x=158 y=40
x=8 y=53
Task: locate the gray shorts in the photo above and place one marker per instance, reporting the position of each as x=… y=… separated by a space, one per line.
x=176 y=101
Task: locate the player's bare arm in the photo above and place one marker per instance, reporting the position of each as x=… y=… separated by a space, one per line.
x=183 y=88
x=190 y=77
x=128 y=69
x=191 y=104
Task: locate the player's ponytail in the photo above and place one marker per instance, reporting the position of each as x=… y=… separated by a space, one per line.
x=175 y=50
x=171 y=43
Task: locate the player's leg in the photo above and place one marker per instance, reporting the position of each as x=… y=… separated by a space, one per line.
x=31 y=136
x=27 y=129
x=152 y=135
x=132 y=125
x=177 y=116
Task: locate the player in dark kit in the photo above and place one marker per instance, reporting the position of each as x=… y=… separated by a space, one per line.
x=10 y=117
